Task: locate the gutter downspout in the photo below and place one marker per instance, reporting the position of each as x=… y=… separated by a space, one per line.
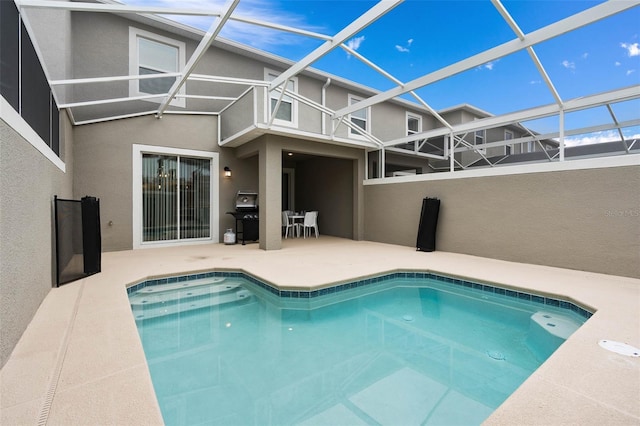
x=324 y=97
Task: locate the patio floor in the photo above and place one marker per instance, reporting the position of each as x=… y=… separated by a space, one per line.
x=80 y=361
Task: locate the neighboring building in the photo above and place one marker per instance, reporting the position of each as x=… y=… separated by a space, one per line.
x=403 y=157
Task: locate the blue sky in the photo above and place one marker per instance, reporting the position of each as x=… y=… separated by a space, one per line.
x=420 y=36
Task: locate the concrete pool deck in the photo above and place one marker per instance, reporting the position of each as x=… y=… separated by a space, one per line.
x=80 y=361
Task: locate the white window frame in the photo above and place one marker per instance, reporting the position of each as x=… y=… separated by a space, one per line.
x=134 y=35
x=410 y=115
x=352 y=133
x=214 y=195
x=508 y=135
x=276 y=95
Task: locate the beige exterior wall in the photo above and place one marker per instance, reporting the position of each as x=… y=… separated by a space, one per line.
x=580 y=219
x=270 y=194
x=240 y=115
x=310 y=119
x=104 y=168
x=28 y=183
x=103 y=157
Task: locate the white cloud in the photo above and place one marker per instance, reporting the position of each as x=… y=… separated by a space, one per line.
x=585 y=55
x=253 y=35
x=600 y=137
x=535 y=82
x=488 y=66
x=629 y=72
x=617 y=64
x=569 y=65
x=633 y=49
x=355 y=43
x=404 y=49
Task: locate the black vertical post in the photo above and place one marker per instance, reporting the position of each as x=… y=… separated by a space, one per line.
x=426 y=240
x=91 y=239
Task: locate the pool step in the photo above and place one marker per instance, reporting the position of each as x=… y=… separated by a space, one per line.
x=183 y=299
x=558 y=325
x=547 y=331
x=178 y=293
x=154 y=289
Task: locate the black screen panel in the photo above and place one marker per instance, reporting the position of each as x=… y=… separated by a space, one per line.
x=10 y=53
x=55 y=127
x=36 y=94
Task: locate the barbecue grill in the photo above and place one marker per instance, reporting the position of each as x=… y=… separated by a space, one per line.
x=246 y=216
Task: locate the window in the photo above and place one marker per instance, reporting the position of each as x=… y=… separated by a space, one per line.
x=174 y=196
x=287 y=113
x=508 y=135
x=479 y=140
x=154 y=54
x=414 y=125
x=358 y=118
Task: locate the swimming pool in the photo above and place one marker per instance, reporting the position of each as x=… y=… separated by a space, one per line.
x=404 y=348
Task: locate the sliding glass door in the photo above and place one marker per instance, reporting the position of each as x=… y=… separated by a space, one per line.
x=195 y=174
x=175 y=197
x=159 y=197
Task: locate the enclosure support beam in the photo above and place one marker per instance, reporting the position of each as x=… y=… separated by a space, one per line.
x=206 y=41
x=615 y=121
x=356 y=26
x=589 y=16
x=516 y=29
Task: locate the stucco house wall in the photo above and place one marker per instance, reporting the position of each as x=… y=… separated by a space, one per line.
x=27 y=240
x=103 y=155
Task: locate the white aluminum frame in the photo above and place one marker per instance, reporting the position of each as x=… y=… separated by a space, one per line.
x=294 y=101
x=356 y=131
x=452 y=133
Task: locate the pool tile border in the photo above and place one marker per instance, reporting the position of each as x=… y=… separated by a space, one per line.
x=310 y=294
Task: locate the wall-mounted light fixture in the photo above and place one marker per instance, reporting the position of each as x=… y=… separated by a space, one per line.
x=227 y=171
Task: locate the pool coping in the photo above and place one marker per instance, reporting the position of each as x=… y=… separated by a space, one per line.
x=85 y=331
x=359 y=282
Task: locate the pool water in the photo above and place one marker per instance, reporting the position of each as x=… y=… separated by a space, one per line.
x=411 y=352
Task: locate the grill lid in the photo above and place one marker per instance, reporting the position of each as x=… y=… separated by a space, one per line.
x=246 y=200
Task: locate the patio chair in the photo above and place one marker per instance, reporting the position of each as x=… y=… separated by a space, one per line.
x=310 y=222
x=286 y=224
